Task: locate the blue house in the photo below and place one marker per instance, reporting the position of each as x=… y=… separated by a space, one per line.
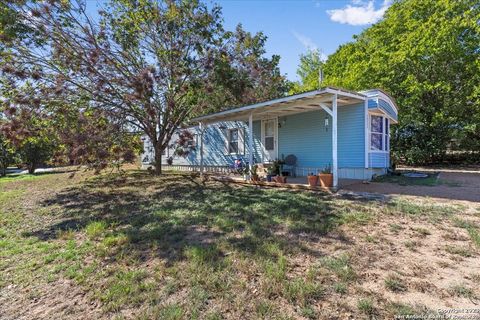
x=346 y=130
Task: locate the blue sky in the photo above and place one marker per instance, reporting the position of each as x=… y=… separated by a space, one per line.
x=293 y=26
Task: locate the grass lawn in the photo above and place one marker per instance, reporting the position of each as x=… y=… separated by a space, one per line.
x=180 y=247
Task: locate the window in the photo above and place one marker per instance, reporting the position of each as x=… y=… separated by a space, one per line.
x=379 y=133
x=233 y=141
x=270 y=135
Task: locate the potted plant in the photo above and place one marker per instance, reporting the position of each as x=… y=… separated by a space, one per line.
x=312 y=180
x=326 y=177
x=281 y=178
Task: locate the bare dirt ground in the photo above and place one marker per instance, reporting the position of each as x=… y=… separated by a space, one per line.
x=461 y=185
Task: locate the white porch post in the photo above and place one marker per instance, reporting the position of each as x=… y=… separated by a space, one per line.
x=366 y=132
x=201 y=126
x=250 y=141
x=334 y=141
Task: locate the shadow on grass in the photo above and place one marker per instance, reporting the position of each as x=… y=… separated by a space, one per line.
x=164 y=215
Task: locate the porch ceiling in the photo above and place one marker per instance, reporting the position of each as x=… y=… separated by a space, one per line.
x=286 y=106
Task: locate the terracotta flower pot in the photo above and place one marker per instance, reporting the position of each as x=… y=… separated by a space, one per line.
x=326 y=180
x=312 y=180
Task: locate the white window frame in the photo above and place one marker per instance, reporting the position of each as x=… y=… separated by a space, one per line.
x=229 y=134
x=385 y=133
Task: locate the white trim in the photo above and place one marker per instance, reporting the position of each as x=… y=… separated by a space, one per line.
x=265 y=152
x=229 y=130
x=327 y=109
x=334 y=141
x=310 y=94
x=367 y=134
x=250 y=140
x=383 y=113
x=388 y=100
x=200 y=125
x=383 y=133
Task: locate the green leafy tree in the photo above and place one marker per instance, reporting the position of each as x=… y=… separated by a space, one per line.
x=425 y=53
x=30 y=132
x=309 y=72
x=8 y=155
x=153 y=64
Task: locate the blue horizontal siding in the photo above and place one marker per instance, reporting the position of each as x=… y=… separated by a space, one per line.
x=351 y=136
x=386 y=107
x=214 y=145
x=379 y=160
x=305 y=136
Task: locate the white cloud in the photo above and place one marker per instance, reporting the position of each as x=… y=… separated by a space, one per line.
x=360 y=13
x=307 y=42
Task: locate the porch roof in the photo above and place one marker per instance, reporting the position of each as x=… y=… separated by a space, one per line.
x=297 y=103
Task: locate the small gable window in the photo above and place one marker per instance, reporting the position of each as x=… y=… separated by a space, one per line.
x=379 y=133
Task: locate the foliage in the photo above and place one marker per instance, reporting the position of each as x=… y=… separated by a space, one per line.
x=89 y=137
x=154 y=64
x=7 y=155
x=28 y=129
x=425 y=54
x=309 y=72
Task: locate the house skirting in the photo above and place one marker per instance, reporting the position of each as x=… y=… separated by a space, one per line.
x=343 y=173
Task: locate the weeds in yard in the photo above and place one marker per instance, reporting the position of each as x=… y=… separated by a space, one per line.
x=394 y=283
x=302 y=292
x=340 y=266
x=177 y=247
x=465 y=252
x=95 y=229
x=412 y=245
x=366 y=306
x=422 y=232
x=461 y=290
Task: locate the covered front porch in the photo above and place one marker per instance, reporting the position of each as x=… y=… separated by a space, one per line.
x=304 y=125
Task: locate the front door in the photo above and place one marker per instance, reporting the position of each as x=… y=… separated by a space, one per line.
x=269 y=139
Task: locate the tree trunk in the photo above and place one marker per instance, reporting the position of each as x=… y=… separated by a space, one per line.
x=4 y=170
x=158 y=159
x=31 y=168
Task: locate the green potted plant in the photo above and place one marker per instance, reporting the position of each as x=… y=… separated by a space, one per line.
x=326 y=177
x=312 y=179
